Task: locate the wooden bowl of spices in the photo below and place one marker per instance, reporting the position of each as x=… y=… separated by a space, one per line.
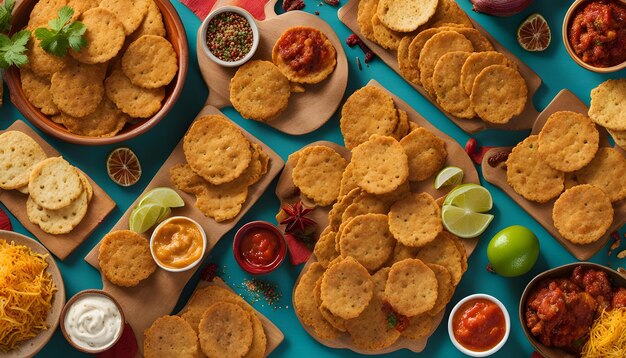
x=231 y=36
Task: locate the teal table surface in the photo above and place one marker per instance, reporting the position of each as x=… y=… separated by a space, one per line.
x=554 y=66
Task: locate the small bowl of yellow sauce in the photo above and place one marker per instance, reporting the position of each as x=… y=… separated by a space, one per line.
x=178 y=244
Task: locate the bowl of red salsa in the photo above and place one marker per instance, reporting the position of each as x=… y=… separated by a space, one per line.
x=230 y=36
x=259 y=247
x=479 y=325
x=594 y=34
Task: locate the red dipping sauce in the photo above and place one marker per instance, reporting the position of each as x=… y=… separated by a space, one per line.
x=479 y=325
x=597 y=33
x=259 y=247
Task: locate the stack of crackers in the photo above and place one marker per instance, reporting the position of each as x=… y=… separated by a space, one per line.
x=59 y=194
x=566 y=156
x=438 y=49
x=215 y=322
x=221 y=165
x=260 y=90
x=608 y=103
x=125 y=259
x=119 y=77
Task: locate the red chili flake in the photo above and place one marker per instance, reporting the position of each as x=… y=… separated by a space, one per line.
x=475 y=151
x=332 y=2
x=209 y=272
x=5 y=222
x=354 y=40
x=289 y=5
x=317 y=13
x=263 y=290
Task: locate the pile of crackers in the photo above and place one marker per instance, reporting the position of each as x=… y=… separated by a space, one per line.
x=608 y=104
x=215 y=322
x=221 y=165
x=58 y=193
x=566 y=162
x=125 y=259
x=438 y=49
x=120 y=77
x=260 y=90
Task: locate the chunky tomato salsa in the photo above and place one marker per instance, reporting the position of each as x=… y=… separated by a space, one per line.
x=479 y=325
x=260 y=247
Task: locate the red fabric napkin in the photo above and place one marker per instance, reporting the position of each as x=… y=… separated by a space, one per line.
x=203 y=7
x=299 y=253
x=5 y=222
x=126 y=347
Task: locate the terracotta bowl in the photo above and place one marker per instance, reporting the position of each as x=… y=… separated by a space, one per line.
x=175 y=34
x=560 y=272
x=569 y=15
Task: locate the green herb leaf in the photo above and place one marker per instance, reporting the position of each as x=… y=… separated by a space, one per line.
x=62 y=34
x=13 y=49
x=5 y=15
x=392 y=320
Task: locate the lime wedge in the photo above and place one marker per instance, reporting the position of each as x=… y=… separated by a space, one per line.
x=449 y=176
x=463 y=222
x=472 y=197
x=165 y=197
x=165 y=213
x=144 y=217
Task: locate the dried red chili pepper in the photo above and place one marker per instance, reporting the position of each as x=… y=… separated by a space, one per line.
x=354 y=40
x=332 y=2
x=289 y=5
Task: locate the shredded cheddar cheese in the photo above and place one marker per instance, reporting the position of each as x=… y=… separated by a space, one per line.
x=26 y=291
x=607 y=337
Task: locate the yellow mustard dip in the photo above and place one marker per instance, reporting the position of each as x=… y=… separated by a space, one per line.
x=178 y=243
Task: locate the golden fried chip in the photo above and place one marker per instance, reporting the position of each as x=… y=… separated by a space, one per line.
x=318 y=174
x=125 y=258
x=347 y=288
x=170 y=336
x=380 y=165
x=411 y=288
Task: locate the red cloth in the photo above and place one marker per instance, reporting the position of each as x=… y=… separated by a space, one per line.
x=126 y=347
x=5 y=222
x=203 y=7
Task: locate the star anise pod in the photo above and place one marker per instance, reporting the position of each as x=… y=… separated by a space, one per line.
x=296 y=221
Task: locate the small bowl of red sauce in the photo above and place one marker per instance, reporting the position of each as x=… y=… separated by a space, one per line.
x=594 y=34
x=259 y=247
x=479 y=325
x=230 y=36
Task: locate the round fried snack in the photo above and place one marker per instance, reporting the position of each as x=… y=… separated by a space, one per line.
x=106 y=121
x=380 y=280
x=529 y=175
x=44 y=11
x=380 y=165
x=437 y=46
x=337 y=322
x=138 y=102
x=19 y=153
x=105 y=36
x=86 y=185
x=259 y=91
x=152 y=24
x=583 y=214
x=37 y=91
x=370 y=330
x=426 y=153
x=324 y=249
x=336 y=213
x=619 y=137
x=608 y=104
x=81 y=6
x=568 y=141
x=443 y=251
x=216 y=149
x=365 y=12
x=415 y=49
x=130 y=12
x=203 y=298
x=77 y=89
x=405 y=16
x=411 y=288
x=347 y=181
x=480 y=42
x=363 y=204
x=61 y=221
x=225 y=331
x=416 y=220
x=53 y=183
x=445 y=289
x=408 y=69
x=419 y=327
x=305 y=304
x=477 y=62
x=150 y=62
x=170 y=336
x=312 y=55
x=369 y=110
x=448 y=88
x=368 y=240
x=607 y=171
x=318 y=174
x=449 y=12
x=347 y=288
x=384 y=36
x=125 y=258
x=40 y=62
x=499 y=93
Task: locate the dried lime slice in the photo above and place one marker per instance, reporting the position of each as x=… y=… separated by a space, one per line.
x=123 y=166
x=533 y=34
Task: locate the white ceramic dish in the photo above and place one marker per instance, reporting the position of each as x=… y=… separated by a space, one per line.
x=193 y=264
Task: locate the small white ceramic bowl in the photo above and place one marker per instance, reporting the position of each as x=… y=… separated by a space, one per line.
x=497 y=347
x=193 y=264
x=255 y=35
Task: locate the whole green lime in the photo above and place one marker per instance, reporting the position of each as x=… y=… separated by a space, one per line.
x=513 y=251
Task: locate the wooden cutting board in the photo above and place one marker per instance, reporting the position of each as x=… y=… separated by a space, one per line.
x=306 y=111
x=139 y=303
x=348 y=15
x=542 y=212
x=60 y=245
x=287 y=192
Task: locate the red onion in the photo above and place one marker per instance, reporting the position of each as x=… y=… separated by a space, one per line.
x=500 y=7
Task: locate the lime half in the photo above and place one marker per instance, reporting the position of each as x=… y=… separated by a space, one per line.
x=166 y=197
x=144 y=217
x=473 y=197
x=449 y=176
x=463 y=222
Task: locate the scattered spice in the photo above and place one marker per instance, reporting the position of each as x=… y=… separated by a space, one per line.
x=289 y=5
x=490 y=268
x=394 y=319
x=358 y=64
x=475 y=151
x=621 y=254
x=209 y=272
x=259 y=290
x=317 y=13
x=229 y=36
x=332 y=2
x=617 y=241
x=354 y=40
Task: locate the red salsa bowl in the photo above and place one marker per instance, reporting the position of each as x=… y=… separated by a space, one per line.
x=259 y=247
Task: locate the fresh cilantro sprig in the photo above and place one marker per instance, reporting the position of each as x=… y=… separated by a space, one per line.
x=62 y=34
x=6 y=9
x=12 y=49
